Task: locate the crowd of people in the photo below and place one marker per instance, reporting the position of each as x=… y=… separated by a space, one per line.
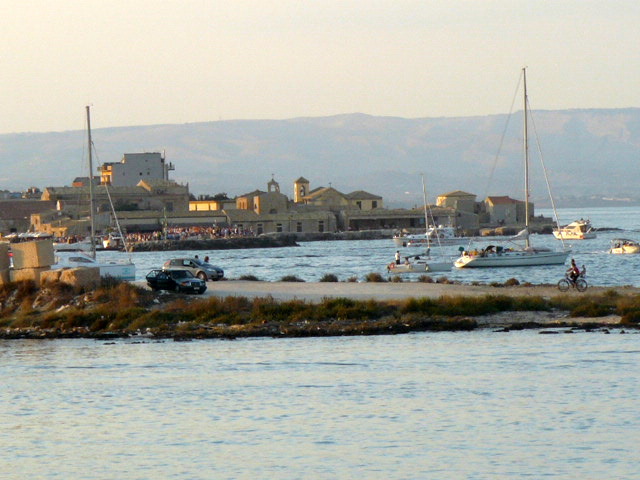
x=189 y=233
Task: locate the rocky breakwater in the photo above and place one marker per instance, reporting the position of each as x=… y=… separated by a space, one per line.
x=263 y=241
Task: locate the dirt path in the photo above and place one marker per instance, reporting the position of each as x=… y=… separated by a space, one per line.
x=315 y=291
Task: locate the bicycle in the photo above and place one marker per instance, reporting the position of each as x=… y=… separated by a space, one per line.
x=580 y=284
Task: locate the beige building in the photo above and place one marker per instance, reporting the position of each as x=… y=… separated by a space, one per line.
x=147 y=195
x=458 y=200
x=503 y=210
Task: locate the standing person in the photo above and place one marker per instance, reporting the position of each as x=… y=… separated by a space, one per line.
x=397 y=257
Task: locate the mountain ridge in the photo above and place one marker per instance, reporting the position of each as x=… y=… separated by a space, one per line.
x=588 y=153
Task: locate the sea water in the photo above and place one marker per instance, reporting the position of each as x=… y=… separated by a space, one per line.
x=355 y=259
x=474 y=405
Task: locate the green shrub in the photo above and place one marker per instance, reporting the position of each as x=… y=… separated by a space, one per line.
x=291 y=278
x=374 y=278
x=249 y=278
x=329 y=277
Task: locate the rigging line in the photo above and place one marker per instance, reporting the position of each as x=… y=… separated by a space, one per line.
x=544 y=171
x=113 y=209
x=504 y=134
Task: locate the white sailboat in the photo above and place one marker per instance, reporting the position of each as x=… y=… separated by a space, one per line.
x=125 y=269
x=423 y=263
x=515 y=255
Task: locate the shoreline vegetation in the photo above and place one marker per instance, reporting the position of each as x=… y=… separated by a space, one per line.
x=123 y=310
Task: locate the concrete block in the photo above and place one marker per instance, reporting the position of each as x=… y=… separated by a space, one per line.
x=88 y=277
x=24 y=274
x=4 y=276
x=50 y=276
x=4 y=256
x=34 y=254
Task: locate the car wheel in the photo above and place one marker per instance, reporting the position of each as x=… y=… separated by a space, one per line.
x=202 y=276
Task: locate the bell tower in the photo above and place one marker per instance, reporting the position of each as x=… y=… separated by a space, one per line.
x=300 y=189
x=273 y=186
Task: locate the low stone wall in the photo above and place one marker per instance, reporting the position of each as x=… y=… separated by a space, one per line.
x=216 y=243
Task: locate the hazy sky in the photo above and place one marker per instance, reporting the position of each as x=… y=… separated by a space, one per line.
x=141 y=62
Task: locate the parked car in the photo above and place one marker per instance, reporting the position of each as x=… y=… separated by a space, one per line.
x=202 y=270
x=177 y=280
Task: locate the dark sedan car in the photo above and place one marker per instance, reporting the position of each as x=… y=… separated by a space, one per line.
x=177 y=280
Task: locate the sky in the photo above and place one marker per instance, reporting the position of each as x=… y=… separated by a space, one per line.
x=143 y=62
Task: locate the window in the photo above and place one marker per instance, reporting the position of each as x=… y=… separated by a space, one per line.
x=260 y=229
x=299 y=227
x=359 y=204
x=374 y=204
x=278 y=227
x=321 y=226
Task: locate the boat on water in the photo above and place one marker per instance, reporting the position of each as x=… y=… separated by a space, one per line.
x=623 y=246
x=420 y=264
x=122 y=270
x=578 y=230
x=82 y=245
x=516 y=254
x=423 y=263
x=440 y=235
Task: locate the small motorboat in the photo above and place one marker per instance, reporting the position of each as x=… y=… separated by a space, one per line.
x=624 y=246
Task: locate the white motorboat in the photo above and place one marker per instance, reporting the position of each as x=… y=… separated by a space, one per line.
x=624 y=246
x=516 y=255
x=439 y=235
x=578 y=230
x=83 y=245
x=123 y=270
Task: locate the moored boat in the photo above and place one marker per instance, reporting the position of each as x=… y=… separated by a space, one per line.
x=122 y=270
x=515 y=255
x=440 y=235
x=624 y=246
x=578 y=230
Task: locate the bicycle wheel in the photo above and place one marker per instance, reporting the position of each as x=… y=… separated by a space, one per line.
x=581 y=284
x=563 y=285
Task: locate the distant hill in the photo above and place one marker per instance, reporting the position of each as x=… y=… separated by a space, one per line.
x=591 y=155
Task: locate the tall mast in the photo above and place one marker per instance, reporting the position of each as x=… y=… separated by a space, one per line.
x=91 y=214
x=424 y=204
x=526 y=159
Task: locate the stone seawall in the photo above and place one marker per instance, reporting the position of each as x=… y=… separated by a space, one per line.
x=216 y=243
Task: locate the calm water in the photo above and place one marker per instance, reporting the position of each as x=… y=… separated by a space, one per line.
x=479 y=405
x=347 y=259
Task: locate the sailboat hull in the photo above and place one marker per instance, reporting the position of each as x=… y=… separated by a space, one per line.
x=512 y=259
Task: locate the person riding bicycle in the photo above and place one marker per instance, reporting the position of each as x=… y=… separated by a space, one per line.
x=573 y=271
